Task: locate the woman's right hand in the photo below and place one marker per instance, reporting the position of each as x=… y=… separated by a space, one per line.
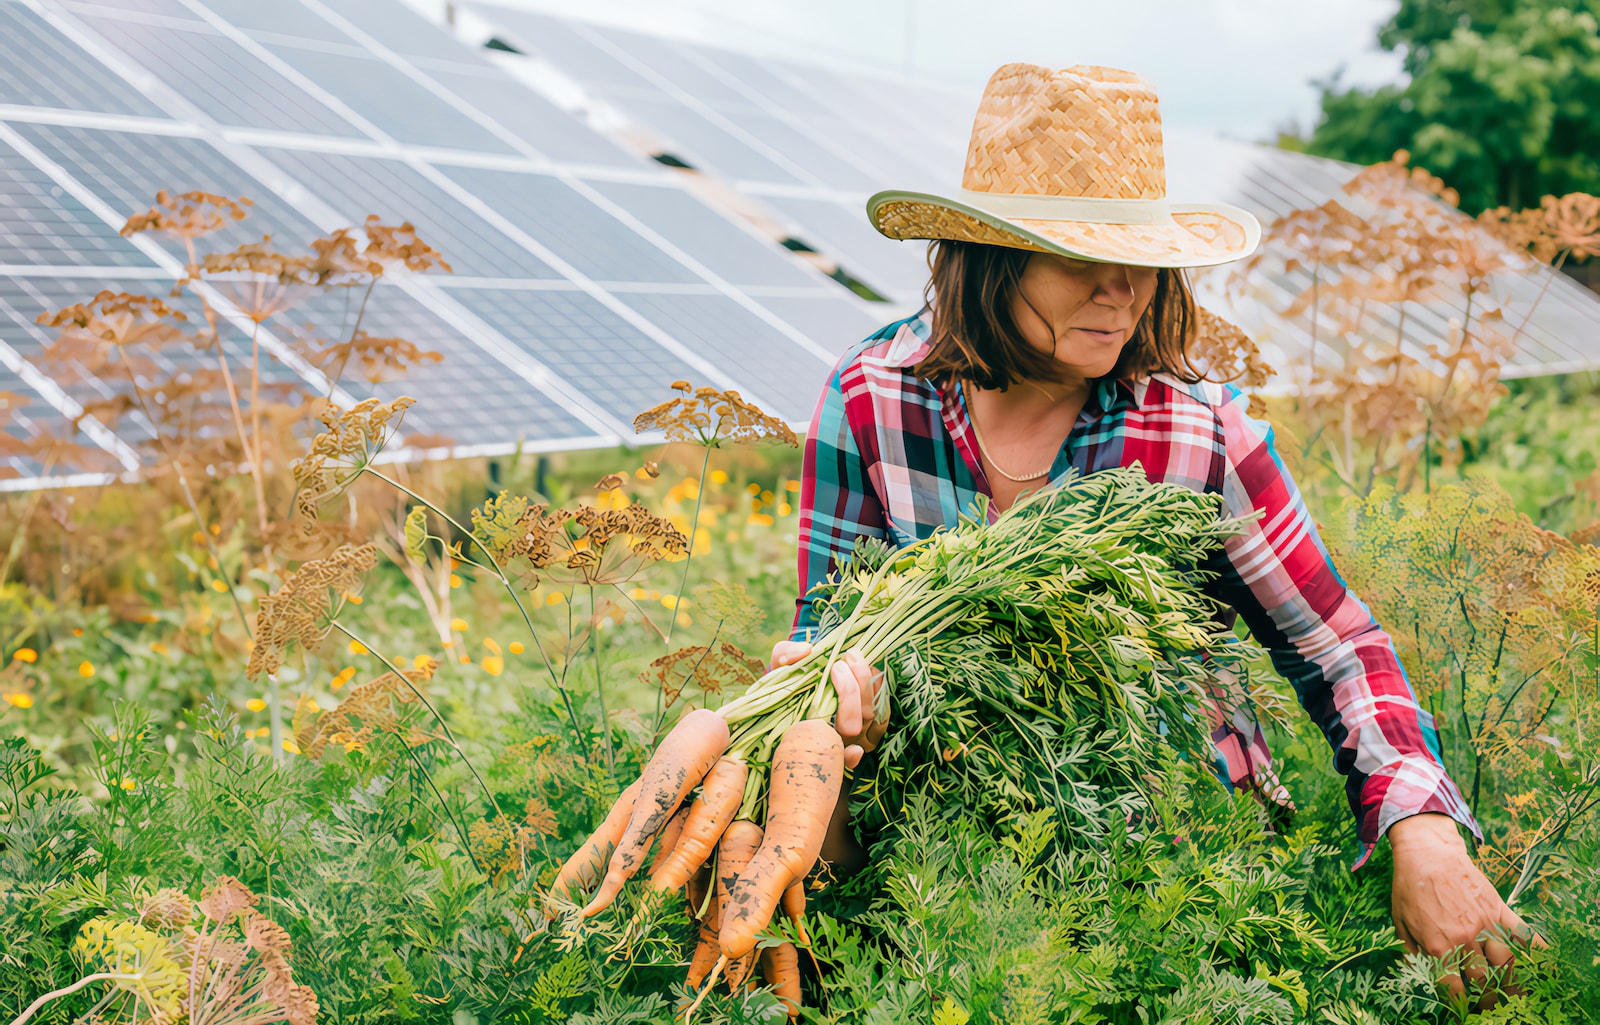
x=857 y=685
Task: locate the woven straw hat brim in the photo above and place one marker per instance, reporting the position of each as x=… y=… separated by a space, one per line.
x=1181 y=235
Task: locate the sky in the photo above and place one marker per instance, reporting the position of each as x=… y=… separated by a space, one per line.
x=1241 y=68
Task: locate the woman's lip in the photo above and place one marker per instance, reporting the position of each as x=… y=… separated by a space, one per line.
x=1104 y=336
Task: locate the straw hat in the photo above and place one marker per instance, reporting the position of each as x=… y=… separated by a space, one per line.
x=1070 y=162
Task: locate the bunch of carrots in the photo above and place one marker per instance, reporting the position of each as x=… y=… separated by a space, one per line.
x=1079 y=607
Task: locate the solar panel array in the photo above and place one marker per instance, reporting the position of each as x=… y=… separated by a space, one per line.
x=586 y=275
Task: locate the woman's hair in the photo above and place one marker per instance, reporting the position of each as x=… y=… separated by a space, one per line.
x=975 y=336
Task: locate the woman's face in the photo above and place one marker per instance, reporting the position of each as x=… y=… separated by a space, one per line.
x=1082 y=312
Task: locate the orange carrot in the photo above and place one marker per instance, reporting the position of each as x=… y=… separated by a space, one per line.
x=670 y=838
x=706 y=950
x=807 y=771
x=681 y=761
x=794 y=906
x=582 y=870
x=709 y=815
x=780 y=969
x=739 y=844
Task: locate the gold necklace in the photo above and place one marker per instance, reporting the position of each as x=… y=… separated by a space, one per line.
x=972 y=418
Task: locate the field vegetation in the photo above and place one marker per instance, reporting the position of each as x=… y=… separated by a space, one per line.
x=295 y=729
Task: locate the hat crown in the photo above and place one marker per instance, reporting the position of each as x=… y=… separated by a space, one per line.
x=1081 y=131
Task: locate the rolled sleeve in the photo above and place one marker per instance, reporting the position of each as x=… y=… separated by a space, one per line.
x=1325 y=642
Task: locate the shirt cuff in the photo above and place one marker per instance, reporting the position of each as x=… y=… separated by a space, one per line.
x=1410 y=786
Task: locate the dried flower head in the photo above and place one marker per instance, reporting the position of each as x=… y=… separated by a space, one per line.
x=651 y=469
x=300 y=609
x=376 y=359
x=1226 y=354
x=337 y=456
x=645 y=538
x=187 y=215
x=1574 y=223
x=226 y=898
x=168 y=908
x=259 y=280
x=368 y=710
x=398 y=243
x=706 y=416
x=712 y=669
x=339 y=261
x=610 y=482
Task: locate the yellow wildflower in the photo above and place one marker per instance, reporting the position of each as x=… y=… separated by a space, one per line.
x=719 y=476
x=86 y=668
x=128 y=784
x=761 y=519
x=25 y=655
x=158 y=647
x=670 y=601
x=353 y=599
x=77 y=631
x=489 y=642
x=418 y=661
x=784 y=508
x=554 y=598
x=219 y=586
x=459 y=625
x=455 y=581
x=791 y=485
x=516 y=647
x=290 y=746
x=256 y=705
x=19 y=700
x=494 y=665
x=357 y=648
x=753 y=488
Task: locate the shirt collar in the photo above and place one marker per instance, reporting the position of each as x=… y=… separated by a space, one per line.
x=1110 y=394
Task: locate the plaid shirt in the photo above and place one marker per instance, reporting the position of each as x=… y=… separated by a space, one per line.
x=891 y=455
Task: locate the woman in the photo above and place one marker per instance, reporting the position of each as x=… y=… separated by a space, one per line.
x=1054 y=338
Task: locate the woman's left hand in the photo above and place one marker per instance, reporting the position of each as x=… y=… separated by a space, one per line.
x=1442 y=901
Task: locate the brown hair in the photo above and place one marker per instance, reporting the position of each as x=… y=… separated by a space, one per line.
x=975 y=337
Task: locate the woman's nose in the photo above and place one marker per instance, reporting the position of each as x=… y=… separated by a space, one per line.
x=1115 y=285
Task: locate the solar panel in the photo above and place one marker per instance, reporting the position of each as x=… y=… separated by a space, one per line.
x=593 y=241
x=468 y=397
x=390 y=100
x=127 y=169
x=283 y=18
x=770 y=365
x=558 y=42
x=609 y=360
x=403 y=30
x=833 y=323
x=690 y=137
x=725 y=249
x=221 y=78
x=672 y=62
x=895 y=268
x=531 y=117
x=40 y=67
x=358 y=186
x=43 y=224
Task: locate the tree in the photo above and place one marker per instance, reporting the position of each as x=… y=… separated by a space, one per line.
x=1503 y=100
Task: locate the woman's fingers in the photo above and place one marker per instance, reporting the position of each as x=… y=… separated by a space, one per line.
x=853 y=755
x=845 y=684
x=867 y=682
x=789 y=652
